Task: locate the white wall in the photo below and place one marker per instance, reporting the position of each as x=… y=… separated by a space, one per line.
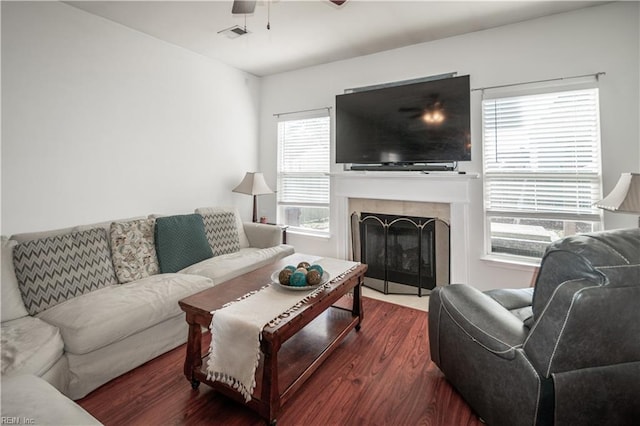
x=603 y=38
x=101 y=122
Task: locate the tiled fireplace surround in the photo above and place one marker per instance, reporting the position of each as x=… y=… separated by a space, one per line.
x=442 y=195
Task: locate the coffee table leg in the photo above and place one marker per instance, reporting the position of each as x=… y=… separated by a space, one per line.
x=193 y=358
x=356 y=310
x=270 y=390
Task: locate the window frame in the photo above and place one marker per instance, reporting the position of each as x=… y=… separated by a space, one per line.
x=594 y=218
x=321 y=175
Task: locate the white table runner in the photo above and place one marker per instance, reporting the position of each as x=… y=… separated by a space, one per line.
x=236 y=328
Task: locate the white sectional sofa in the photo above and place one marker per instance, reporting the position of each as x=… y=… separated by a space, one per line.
x=30 y=400
x=83 y=305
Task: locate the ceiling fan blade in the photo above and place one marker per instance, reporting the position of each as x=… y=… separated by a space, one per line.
x=243 y=6
x=338 y=2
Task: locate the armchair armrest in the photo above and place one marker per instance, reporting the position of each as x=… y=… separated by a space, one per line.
x=480 y=317
x=261 y=235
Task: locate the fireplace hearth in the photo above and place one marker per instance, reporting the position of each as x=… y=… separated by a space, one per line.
x=404 y=254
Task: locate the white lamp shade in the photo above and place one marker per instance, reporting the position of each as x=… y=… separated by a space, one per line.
x=625 y=196
x=253 y=184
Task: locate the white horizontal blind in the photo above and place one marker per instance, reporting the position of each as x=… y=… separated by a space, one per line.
x=303 y=163
x=542 y=155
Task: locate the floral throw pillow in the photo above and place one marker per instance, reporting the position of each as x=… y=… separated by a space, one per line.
x=133 y=249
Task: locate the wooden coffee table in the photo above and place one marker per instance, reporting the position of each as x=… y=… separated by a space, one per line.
x=291 y=350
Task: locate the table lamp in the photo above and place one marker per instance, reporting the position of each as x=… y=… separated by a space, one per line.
x=625 y=196
x=253 y=184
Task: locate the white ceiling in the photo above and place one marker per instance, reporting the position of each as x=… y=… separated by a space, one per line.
x=306 y=33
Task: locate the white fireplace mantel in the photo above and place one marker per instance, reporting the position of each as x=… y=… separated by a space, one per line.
x=436 y=187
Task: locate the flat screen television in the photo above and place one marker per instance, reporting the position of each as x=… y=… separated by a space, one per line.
x=400 y=125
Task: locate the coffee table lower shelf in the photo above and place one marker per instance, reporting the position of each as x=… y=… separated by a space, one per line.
x=297 y=359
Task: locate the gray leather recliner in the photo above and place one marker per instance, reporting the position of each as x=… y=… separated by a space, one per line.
x=566 y=352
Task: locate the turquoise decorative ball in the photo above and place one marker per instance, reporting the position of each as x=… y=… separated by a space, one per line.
x=317 y=268
x=290 y=267
x=298 y=279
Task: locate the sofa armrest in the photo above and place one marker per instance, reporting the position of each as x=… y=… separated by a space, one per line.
x=480 y=317
x=261 y=235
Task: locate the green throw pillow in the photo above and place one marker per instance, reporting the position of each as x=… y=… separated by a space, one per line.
x=180 y=241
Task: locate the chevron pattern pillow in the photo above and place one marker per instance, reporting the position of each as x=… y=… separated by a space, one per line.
x=52 y=270
x=222 y=232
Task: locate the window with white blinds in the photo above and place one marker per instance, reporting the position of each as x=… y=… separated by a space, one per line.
x=303 y=167
x=541 y=169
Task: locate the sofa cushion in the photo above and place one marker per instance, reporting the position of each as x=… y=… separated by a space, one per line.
x=12 y=304
x=133 y=249
x=181 y=241
x=52 y=270
x=31 y=400
x=110 y=314
x=106 y=225
x=222 y=232
x=91 y=370
x=28 y=236
x=228 y=266
x=29 y=346
x=38 y=235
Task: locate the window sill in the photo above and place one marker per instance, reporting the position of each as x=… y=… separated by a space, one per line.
x=308 y=234
x=506 y=262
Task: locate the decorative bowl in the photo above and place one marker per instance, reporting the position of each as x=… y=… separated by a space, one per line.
x=274 y=277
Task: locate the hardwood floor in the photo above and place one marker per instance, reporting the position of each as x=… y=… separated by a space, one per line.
x=381 y=375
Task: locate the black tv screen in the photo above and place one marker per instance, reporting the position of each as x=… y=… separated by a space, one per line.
x=425 y=122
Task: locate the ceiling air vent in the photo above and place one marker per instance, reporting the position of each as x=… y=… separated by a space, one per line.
x=234 y=32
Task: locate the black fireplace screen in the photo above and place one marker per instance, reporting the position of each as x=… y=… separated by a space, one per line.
x=400 y=250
